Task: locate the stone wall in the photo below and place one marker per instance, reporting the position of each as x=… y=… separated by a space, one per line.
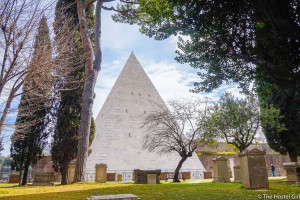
x=223 y=147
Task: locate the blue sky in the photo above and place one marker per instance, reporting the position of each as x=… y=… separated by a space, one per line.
x=171 y=79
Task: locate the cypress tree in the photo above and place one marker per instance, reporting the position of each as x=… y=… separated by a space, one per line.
x=65 y=138
x=31 y=133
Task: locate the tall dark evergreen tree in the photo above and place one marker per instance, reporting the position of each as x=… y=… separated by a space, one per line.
x=30 y=136
x=65 y=138
x=288 y=102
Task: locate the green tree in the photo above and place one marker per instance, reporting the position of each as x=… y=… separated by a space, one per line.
x=237 y=121
x=65 y=138
x=5 y=161
x=226 y=38
x=31 y=133
x=234 y=42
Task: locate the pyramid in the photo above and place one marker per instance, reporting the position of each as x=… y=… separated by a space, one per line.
x=119 y=137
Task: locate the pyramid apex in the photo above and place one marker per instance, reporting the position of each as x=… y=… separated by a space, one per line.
x=132 y=55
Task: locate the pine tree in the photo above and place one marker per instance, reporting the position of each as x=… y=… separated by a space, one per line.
x=65 y=138
x=30 y=136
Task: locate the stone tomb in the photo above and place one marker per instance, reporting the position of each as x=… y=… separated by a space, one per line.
x=253 y=168
x=237 y=173
x=298 y=176
x=100 y=175
x=221 y=170
x=43 y=178
x=290 y=168
x=141 y=176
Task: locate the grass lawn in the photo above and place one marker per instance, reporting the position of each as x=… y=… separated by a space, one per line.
x=183 y=190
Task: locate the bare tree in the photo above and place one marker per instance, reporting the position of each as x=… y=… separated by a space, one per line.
x=18 y=22
x=175 y=130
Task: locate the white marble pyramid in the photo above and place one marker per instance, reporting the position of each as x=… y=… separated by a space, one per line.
x=118 y=139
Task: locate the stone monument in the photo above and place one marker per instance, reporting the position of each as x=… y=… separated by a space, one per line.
x=141 y=176
x=100 y=175
x=221 y=170
x=119 y=177
x=237 y=173
x=290 y=168
x=71 y=171
x=253 y=168
x=43 y=178
x=298 y=176
x=119 y=136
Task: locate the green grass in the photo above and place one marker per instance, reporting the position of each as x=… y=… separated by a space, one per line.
x=163 y=191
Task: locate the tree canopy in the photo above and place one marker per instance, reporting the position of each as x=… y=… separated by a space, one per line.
x=227 y=39
x=238 y=121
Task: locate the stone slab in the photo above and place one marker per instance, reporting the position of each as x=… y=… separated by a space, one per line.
x=115 y=196
x=151 y=179
x=290 y=168
x=194 y=182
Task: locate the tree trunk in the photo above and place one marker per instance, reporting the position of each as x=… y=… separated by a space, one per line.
x=7 y=106
x=65 y=174
x=91 y=72
x=20 y=176
x=24 y=181
x=176 y=179
x=293 y=157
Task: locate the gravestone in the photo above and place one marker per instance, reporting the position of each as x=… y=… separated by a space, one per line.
x=119 y=177
x=221 y=170
x=298 y=176
x=151 y=179
x=290 y=168
x=253 y=168
x=71 y=173
x=100 y=175
x=237 y=173
x=140 y=176
x=43 y=178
